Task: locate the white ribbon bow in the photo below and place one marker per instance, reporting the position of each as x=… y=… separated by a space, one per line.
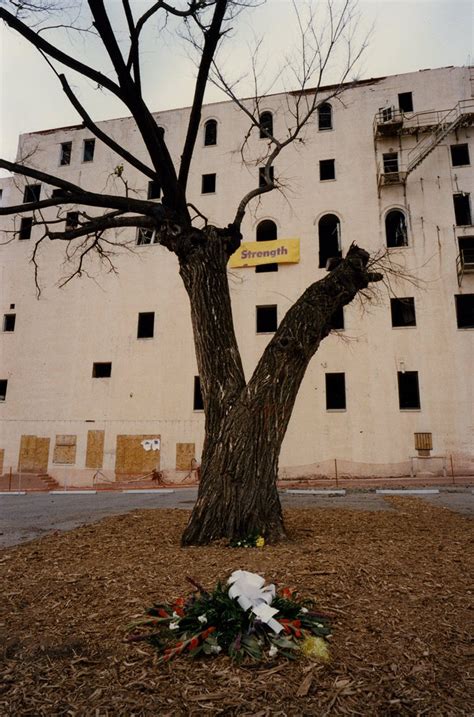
x=152 y=444
x=251 y=593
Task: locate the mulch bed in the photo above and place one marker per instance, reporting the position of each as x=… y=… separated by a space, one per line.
x=397 y=583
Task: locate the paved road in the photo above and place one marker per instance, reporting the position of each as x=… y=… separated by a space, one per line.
x=25 y=517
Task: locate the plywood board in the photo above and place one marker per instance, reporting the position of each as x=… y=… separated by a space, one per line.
x=2 y=456
x=132 y=459
x=65 y=449
x=185 y=452
x=95 y=449
x=34 y=453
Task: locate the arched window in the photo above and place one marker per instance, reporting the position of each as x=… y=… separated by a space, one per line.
x=396 y=228
x=266 y=231
x=210 y=133
x=266 y=124
x=325 y=116
x=329 y=230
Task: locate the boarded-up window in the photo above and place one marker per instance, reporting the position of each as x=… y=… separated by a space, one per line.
x=65 y=449
x=185 y=454
x=34 y=453
x=95 y=449
x=131 y=458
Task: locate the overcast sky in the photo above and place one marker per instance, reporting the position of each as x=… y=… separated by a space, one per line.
x=408 y=35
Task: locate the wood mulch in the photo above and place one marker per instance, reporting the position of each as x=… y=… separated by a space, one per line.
x=397 y=582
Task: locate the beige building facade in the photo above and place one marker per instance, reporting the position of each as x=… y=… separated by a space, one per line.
x=99 y=378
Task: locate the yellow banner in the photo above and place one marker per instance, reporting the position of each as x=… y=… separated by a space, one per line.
x=253 y=253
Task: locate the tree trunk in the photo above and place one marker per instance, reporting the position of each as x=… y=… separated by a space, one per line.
x=246 y=423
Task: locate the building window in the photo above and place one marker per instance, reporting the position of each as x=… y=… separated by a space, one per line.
x=396 y=228
x=210 y=133
x=146 y=235
x=266 y=125
x=208 y=184
x=337 y=319
x=102 y=370
x=72 y=221
x=58 y=194
x=465 y=311
x=335 y=391
x=65 y=154
x=390 y=163
x=405 y=102
x=403 y=312
x=460 y=155
x=262 y=182
x=198 y=403
x=266 y=231
x=329 y=231
x=154 y=189
x=462 y=209
x=408 y=389
x=146 y=325
x=26 y=224
x=9 y=322
x=32 y=193
x=267 y=321
x=327 y=169
x=324 y=116
x=3 y=388
x=89 y=147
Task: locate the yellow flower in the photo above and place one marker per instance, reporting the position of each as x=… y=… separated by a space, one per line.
x=316 y=649
x=260 y=542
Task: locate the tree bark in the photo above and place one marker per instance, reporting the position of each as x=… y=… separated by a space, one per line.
x=246 y=423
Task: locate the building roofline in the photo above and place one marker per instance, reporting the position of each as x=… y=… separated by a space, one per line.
x=322 y=88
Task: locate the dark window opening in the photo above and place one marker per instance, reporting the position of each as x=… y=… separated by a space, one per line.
x=335 y=391
x=266 y=231
x=65 y=156
x=58 y=194
x=72 y=220
x=3 y=388
x=208 y=183
x=408 y=389
x=327 y=169
x=266 y=125
x=462 y=209
x=266 y=319
x=210 y=133
x=12 y=306
x=465 y=311
x=390 y=162
x=329 y=230
x=146 y=325
x=9 y=322
x=460 y=155
x=145 y=236
x=262 y=182
x=466 y=250
x=102 y=370
x=337 y=319
x=403 y=312
x=26 y=225
x=32 y=193
x=198 y=403
x=89 y=147
x=396 y=229
x=325 y=116
x=154 y=189
x=405 y=102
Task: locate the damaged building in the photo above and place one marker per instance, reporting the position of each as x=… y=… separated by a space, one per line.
x=98 y=377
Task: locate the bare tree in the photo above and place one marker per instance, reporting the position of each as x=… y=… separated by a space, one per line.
x=245 y=420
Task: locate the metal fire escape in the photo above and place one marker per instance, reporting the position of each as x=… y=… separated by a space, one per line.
x=436 y=125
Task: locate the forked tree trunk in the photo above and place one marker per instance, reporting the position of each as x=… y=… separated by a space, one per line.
x=246 y=423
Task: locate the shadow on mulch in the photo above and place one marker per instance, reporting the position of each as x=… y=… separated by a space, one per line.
x=396 y=582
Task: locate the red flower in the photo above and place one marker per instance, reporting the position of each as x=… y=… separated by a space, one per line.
x=194 y=643
x=287 y=593
x=162 y=613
